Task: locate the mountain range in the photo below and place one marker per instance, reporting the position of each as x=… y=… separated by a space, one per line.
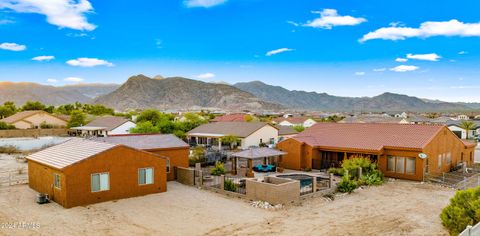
x=172 y=93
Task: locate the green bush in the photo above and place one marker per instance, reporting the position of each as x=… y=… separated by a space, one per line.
x=347 y=185
x=229 y=185
x=336 y=171
x=218 y=169
x=373 y=178
x=464 y=210
x=353 y=164
x=197 y=156
x=4 y=126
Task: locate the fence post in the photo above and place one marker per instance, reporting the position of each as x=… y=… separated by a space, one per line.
x=222 y=182
x=314 y=184
x=330 y=181
x=360 y=172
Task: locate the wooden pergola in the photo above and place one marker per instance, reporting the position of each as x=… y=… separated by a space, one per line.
x=255 y=154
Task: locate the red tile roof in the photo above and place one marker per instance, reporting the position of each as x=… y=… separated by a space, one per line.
x=230 y=118
x=368 y=137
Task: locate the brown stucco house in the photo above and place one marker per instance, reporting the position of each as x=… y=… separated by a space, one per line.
x=34 y=120
x=395 y=147
x=81 y=172
x=167 y=145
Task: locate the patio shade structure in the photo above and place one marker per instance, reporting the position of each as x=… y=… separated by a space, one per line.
x=253 y=154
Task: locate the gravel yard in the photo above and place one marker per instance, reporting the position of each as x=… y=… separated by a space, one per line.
x=395 y=208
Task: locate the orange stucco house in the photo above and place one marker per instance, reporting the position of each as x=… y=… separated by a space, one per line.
x=81 y=172
x=396 y=148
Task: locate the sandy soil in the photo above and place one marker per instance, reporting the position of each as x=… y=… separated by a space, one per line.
x=396 y=208
x=8 y=162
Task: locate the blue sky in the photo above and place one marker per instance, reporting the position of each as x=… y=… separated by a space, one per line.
x=349 y=48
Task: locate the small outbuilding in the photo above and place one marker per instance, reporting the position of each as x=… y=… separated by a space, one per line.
x=81 y=172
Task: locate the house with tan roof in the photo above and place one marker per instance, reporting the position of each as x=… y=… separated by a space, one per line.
x=105 y=126
x=250 y=134
x=80 y=172
x=294 y=121
x=406 y=151
x=167 y=145
x=34 y=120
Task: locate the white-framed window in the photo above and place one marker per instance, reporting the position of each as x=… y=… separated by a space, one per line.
x=100 y=182
x=168 y=165
x=57 y=183
x=145 y=176
x=410 y=167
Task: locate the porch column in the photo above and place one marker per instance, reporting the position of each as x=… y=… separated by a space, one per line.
x=265 y=161
x=250 y=168
x=234 y=166
x=219 y=144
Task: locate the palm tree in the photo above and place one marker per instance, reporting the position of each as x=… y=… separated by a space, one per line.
x=467 y=126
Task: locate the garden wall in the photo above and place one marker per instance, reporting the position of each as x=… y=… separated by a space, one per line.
x=273 y=190
x=15 y=133
x=185 y=176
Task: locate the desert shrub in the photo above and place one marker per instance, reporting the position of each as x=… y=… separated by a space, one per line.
x=219 y=169
x=4 y=126
x=9 y=149
x=353 y=164
x=229 y=185
x=298 y=128
x=45 y=125
x=336 y=171
x=373 y=178
x=347 y=185
x=308 y=169
x=464 y=210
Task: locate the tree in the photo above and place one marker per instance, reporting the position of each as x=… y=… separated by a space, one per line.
x=154 y=116
x=464 y=210
x=50 y=109
x=33 y=106
x=467 y=126
x=248 y=118
x=77 y=118
x=145 y=127
x=298 y=128
x=4 y=126
x=231 y=140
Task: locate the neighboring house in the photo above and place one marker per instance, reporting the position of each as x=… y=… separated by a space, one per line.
x=295 y=121
x=34 y=120
x=395 y=147
x=403 y=115
x=167 y=145
x=454 y=126
x=374 y=119
x=105 y=126
x=286 y=132
x=462 y=117
x=249 y=133
x=80 y=172
x=237 y=117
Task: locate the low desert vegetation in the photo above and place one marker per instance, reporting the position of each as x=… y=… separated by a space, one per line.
x=229 y=185
x=197 y=156
x=463 y=210
x=218 y=170
x=350 y=174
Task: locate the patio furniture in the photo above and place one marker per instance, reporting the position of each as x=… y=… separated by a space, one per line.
x=255 y=154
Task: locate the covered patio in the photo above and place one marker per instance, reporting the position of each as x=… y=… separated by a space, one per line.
x=269 y=156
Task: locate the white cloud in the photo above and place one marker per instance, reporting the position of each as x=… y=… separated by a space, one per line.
x=399 y=59
x=203 y=3
x=43 y=58
x=426 y=29
x=277 y=51
x=360 y=73
x=52 y=81
x=330 y=18
x=12 y=47
x=293 y=23
x=462 y=53
x=62 y=13
x=404 y=68
x=73 y=79
x=424 y=57
x=88 y=62
x=6 y=21
x=206 y=76
x=379 y=69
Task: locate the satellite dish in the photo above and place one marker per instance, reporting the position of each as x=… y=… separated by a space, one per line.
x=422 y=155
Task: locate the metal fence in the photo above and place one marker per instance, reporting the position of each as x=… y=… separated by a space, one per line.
x=14 y=177
x=235 y=184
x=306 y=186
x=457 y=179
x=471 y=231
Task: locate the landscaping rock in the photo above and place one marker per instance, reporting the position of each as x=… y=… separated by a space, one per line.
x=266 y=205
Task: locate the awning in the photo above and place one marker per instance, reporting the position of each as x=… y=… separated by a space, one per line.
x=257 y=153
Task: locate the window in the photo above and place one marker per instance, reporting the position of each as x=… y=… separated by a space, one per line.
x=56 y=181
x=145 y=176
x=100 y=182
x=410 y=165
x=272 y=140
x=400 y=165
x=391 y=163
x=449 y=158
x=168 y=165
x=440 y=161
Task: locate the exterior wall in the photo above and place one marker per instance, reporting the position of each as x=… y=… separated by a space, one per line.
x=178 y=158
x=22 y=125
x=294 y=150
x=382 y=164
x=185 y=176
x=123 y=129
x=122 y=164
x=265 y=133
x=309 y=123
x=41 y=117
x=285 y=137
x=274 y=190
x=40 y=179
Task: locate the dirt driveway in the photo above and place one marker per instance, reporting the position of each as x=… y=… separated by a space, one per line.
x=396 y=208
